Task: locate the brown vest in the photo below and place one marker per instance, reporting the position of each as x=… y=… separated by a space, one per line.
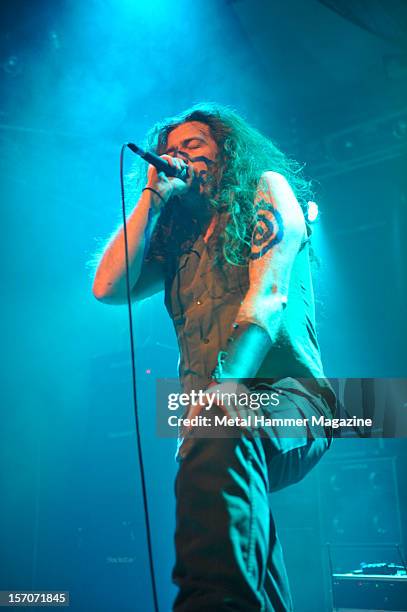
x=202 y=299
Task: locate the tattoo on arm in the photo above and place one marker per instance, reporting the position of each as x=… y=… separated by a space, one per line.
x=268 y=230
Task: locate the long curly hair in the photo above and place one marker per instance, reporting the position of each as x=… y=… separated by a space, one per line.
x=244 y=155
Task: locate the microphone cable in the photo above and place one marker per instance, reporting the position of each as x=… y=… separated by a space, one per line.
x=133 y=372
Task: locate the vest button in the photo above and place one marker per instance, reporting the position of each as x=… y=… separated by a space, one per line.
x=205 y=340
x=198 y=302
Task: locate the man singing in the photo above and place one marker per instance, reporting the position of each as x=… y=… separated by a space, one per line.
x=230 y=246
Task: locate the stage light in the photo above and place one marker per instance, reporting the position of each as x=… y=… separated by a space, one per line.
x=12 y=65
x=312 y=212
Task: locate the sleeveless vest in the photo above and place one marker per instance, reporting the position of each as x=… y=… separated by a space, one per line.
x=203 y=298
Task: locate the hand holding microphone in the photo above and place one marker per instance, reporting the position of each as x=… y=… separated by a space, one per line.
x=168 y=186
x=167 y=175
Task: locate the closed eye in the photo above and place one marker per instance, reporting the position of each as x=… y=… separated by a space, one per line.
x=193 y=143
x=189 y=143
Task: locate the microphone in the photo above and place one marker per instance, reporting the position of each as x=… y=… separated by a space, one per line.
x=161 y=164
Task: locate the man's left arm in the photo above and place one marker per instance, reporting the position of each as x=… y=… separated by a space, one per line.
x=276 y=239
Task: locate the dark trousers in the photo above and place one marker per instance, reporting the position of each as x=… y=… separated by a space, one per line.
x=228 y=556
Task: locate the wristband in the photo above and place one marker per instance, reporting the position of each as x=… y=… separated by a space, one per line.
x=154 y=191
x=233 y=357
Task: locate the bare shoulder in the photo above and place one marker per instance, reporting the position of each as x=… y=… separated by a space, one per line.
x=271 y=175
x=275 y=189
x=277 y=186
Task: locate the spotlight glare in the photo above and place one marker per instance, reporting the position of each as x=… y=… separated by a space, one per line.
x=312 y=212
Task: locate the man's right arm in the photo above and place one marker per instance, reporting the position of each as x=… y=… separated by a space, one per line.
x=109 y=285
x=146 y=277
